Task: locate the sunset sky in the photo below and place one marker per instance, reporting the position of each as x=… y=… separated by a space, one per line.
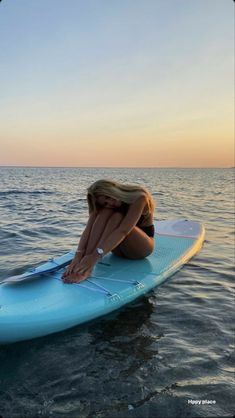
x=117 y=83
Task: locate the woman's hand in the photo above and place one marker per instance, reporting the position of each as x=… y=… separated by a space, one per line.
x=87 y=263
x=81 y=271
x=74 y=264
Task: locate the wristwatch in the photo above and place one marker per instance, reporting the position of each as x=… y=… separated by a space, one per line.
x=100 y=251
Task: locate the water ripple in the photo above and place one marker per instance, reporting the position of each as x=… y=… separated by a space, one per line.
x=151 y=357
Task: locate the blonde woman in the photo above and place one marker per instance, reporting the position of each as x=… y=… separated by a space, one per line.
x=120 y=220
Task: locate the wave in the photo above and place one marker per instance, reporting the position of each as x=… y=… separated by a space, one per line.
x=23 y=192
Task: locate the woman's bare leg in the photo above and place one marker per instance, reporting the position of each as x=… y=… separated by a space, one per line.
x=136 y=245
x=112 y=223
x=99 y=226
x=103 y=224
x=95 y=227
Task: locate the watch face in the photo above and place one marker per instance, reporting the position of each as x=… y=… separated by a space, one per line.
x=100 y=251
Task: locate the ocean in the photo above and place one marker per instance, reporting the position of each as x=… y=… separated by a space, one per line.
x=170 y=353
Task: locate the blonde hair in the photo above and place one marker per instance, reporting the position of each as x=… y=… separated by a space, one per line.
x=127 y=193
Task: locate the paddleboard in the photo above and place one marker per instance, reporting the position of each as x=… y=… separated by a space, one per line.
x=54 y=264
x=38 y=302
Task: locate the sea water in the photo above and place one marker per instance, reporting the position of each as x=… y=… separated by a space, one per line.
x=169 y=354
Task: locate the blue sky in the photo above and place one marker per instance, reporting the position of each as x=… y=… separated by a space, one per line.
x=106 y=82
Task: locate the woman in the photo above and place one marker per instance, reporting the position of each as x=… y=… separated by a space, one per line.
x=120 y=220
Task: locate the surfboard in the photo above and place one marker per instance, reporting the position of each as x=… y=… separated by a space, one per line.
x=38 y=302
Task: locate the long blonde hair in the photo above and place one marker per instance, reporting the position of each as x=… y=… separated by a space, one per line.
x=127 y=193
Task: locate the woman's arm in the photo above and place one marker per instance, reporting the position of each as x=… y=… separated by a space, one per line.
x=85 y=235
x=127 y=224
x=81 y=250
x=116 y=237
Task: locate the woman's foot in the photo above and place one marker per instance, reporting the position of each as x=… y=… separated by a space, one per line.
x=77 y=277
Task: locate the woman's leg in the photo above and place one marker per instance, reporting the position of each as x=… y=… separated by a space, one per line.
x=105 y=222
x=96 y=230
x=103 y=226
x=103 y=219
x=136 y=245
x=113 y=223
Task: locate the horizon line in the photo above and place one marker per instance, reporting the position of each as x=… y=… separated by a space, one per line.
x=49 y=166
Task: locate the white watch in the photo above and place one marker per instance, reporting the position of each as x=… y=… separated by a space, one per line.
x=100 y=251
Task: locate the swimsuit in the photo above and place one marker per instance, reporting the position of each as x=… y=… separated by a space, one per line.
x=149 y=230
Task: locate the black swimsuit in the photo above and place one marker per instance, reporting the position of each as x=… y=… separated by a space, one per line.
x=149 y=230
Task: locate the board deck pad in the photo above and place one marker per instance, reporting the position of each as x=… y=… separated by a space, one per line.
x=31 y=308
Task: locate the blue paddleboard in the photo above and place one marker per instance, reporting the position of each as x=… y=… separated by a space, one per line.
x=38 y=302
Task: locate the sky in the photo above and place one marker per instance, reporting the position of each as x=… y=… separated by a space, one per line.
x=107 y=83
